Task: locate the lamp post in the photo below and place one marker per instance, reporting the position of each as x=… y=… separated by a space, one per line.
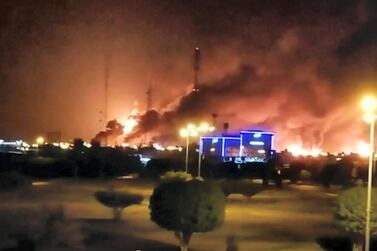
x=192 y=130
x=369 y=105
x=189 y=131
x=40 y=141
x=202 y=128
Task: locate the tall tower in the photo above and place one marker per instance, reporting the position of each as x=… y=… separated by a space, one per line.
x=196 y=65
x=149 y=98
x=109 y=36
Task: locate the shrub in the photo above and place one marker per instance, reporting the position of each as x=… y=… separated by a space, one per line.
x=117 y=201
x=350 y=213
x=305 y=175
x=31 y=229
x=187 y=207
x=245 y=188
x=12 y=181
x=171 y=175
x=157 y=167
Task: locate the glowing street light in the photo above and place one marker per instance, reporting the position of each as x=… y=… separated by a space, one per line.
x=369 y=105
x=203 y=128
x=40 y=140
x=192 y=130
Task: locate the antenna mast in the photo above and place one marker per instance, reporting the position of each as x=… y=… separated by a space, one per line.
x=196 y=69
x=149 y=98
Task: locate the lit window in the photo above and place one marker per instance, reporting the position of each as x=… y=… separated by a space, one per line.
x=257 y=135
x=215 y=140
x=256 y=143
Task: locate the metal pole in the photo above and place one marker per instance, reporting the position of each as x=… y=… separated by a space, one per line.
x=199 y=161
x=187 y=152
x=369 y=194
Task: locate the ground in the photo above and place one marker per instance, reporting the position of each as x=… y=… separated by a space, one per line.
x=286 y=220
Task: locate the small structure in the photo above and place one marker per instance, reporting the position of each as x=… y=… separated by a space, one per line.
x=247 y=146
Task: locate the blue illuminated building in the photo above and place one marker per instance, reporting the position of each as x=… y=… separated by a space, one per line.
x=248 y=146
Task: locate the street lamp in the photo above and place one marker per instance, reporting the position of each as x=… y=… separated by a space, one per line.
x=192 y=130
x=189 y=131
x=202 y=128
x=369 y=105
x=40 y=140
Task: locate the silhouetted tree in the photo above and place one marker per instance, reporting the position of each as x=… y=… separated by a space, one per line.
x=187 y=207
x=117 y=201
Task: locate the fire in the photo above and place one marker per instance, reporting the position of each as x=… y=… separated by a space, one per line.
x=130 y=122
x=363 y=149
x=299 y=150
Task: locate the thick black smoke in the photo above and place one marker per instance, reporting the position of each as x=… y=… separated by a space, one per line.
x=304 y=85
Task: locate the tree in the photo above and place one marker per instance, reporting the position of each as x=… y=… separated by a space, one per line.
x=187 y=207
x=117 y=201
x=350 y=213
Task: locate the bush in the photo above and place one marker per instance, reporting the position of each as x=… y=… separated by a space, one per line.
x=47 y=167
x=117 y=201
x=157 y=167
x=245 y=188
x=336 y=174
x=349 y=214
x=305 y=175
x=171 y=175
x=32 y=229
x=187 y=207
x=12 y=181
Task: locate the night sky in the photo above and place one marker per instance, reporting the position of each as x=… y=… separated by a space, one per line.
x=295 y=67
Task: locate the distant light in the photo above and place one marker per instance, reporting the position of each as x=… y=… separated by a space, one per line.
x=88 y=145
x=158 y=147
x=127 y=177
x=144 y=160
x=215 y=140
x=261 y=151
x=363 y=149
x=40 y=183
x=40 y=140
x=64 y=145
x=212 y=149
x=173 y=148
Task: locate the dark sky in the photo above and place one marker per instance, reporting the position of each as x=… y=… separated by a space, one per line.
x=294 y=66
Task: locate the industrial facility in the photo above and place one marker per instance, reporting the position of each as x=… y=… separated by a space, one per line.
x=247 y=146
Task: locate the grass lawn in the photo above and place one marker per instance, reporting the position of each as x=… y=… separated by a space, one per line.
x=286 y=220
